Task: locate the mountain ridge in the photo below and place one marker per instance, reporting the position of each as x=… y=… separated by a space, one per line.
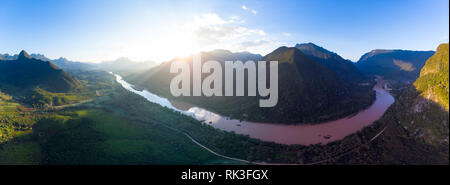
x=346 y=69
x=399 y=65
x=28 y=73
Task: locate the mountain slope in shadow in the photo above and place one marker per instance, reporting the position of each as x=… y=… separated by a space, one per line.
x=344 y=68
x=26 y=73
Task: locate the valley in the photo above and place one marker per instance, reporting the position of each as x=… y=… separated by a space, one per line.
x=225 y=92
x=104 y=119
x=308 y=90
x=303 y=134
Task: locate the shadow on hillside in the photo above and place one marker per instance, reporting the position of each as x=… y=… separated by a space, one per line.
x=418 y=132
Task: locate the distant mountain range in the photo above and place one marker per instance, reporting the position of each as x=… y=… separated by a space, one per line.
x=309 y=90
x=16 y=56
x=401 y=65
x=25 y=72
x=123 y=65
x=68 y=65
x=61 y=62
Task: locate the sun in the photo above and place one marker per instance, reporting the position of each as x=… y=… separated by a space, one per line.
x=168 y=44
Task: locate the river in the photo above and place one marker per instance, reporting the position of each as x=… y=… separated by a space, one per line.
x=304 y=134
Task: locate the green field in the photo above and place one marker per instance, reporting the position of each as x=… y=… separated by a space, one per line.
x=88 y=134
x=96 y=137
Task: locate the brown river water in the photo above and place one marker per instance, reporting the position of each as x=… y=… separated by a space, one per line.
x=304 y=134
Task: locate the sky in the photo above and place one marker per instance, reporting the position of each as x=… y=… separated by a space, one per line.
x=157 y=30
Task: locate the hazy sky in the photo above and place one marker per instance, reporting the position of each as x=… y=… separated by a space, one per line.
x=97 y=30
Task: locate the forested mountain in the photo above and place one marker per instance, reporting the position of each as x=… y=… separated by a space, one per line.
x=26 y=72
x=433 y=81
x=346 y=69
x=308 y=90
x=400 y=65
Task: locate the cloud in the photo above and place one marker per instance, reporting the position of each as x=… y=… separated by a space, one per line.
x=249 y=44
x=249 y=9
x=287 y=34
x=236 y=19
x=209 y=19
x=216 y=34
x=210 y=29
x=262 y=46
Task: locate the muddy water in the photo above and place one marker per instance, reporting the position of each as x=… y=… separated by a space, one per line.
x=304 y=134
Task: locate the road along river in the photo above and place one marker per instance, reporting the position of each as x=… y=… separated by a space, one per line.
x=304 y=134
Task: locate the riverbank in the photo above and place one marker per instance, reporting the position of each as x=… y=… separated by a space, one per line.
x=304 y=134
